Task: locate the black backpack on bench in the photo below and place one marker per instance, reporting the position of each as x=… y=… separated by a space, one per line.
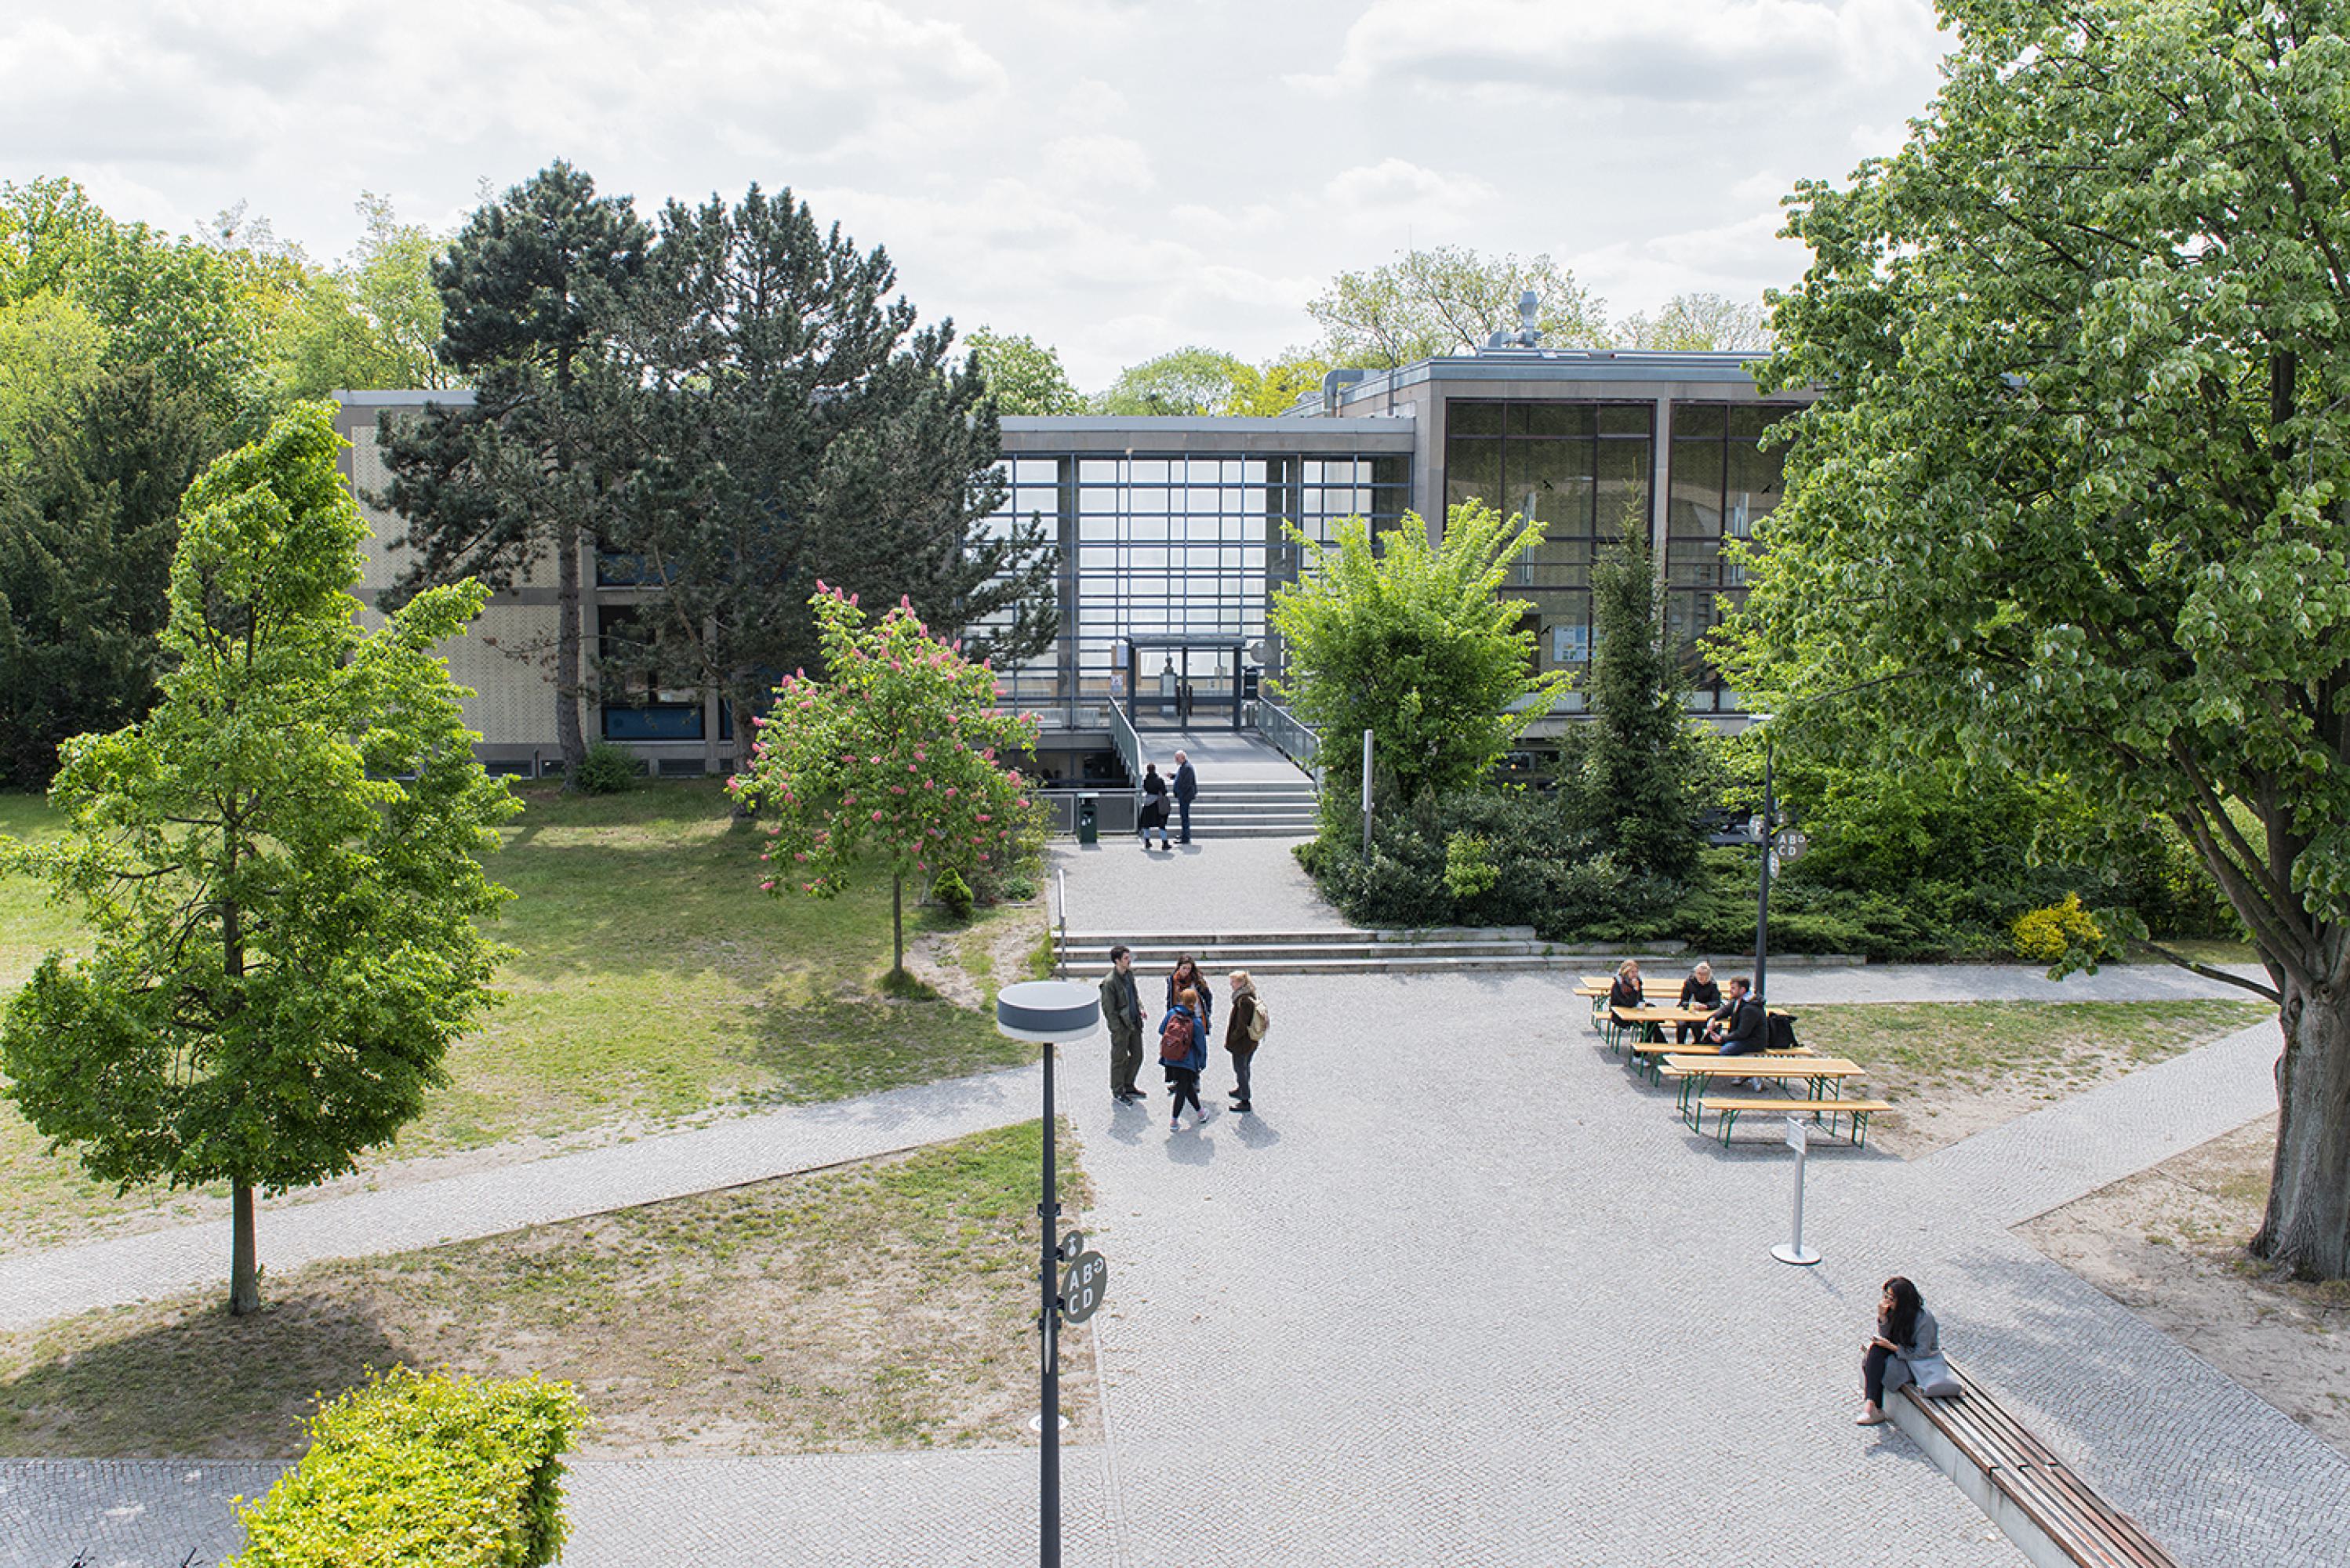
x=1778 y=1031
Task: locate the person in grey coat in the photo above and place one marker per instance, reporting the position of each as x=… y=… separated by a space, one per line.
x=1122 y=1010
x=1905 y=1331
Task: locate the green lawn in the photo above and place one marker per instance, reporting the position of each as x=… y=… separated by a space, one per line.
x=650 y=981
x=885 y=1305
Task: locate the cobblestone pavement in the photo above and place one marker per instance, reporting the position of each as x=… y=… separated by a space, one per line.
x=58 y=1282
x=1207 y=885
x=1466 y=1292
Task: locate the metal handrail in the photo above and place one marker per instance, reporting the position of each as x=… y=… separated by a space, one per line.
x=1290 y=735
x=1128 y=743
x=1061 y=908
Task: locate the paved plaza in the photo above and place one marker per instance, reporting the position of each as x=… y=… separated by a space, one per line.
x=1463 y=1291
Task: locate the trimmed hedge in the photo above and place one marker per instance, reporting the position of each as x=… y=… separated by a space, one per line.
x=417 y=1469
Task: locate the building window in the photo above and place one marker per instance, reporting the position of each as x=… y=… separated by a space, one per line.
x=1581 y=469
x=1722 y=484
x=641 y=701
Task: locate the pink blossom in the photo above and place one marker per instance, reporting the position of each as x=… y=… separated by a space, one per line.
x=988 y=754
x=800 y=855
x=920 y=755
x=877 y=816
x=951 y=792
x=983 y=816
x=769 y=885
x=897 y=789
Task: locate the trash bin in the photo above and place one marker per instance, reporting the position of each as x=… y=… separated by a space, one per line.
x=1088 y=819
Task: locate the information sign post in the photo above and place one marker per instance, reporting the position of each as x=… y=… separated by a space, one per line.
x=1795 y=1251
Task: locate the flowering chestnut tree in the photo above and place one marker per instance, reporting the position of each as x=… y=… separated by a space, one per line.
x=891 y=762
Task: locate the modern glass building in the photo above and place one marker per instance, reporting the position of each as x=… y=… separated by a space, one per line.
x=1172 y=535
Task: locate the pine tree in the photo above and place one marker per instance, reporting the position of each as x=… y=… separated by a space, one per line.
x=530 y=289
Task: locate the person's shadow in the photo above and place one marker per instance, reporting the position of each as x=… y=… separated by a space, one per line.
x=1187 y=1148
x=1255 y=1130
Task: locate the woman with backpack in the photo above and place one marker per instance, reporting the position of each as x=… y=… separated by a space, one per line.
x=1182 y=1052
x=1187 y=978
x=1242 y=1032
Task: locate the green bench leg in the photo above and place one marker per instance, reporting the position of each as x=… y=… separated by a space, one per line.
x=1728 y=1120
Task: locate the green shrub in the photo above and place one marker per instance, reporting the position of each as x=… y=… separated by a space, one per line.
x=952 y=893
x=1469 y=868
x=607 y=768
x=1018 y=887
x=2049 y=936
x=418 y=1471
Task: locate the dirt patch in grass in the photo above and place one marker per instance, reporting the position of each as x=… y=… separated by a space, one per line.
x=2169 y=1243
x=1955 y=1068
x=888 y=1304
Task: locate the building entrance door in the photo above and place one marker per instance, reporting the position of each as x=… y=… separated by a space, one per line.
x=1184 y=682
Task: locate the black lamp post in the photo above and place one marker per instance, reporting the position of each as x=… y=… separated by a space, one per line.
x=1762 y=893
x=1049 y=1012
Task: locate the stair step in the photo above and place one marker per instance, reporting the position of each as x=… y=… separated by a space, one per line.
x=1404 y=962
x=1315 y=934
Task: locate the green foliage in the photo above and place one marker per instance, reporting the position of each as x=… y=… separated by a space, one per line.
x=1699 y=323
x=891 y=762
x=371 y=320
x=953 y=895
x=1640 y=766
x=607 y=769
x=1023 y=376
x=2079 y=464
x=788 y=420
x=1192 y=381
x=280 y=866
x=421 y=1471
x=2060 y=931
x=1417 y=644
x=1448 y=300
x=88 y=522
x=1262 y=391
x=49 y=348
x=1469 y=867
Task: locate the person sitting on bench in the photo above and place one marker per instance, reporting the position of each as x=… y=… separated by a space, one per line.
x=1740 y=1028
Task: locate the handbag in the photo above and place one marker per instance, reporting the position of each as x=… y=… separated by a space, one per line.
x=1933 y=1377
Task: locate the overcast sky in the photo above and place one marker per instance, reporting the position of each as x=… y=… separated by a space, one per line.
x=1113 y=177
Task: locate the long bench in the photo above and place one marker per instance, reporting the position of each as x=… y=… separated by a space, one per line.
x=2051 y=1513
x=1728 y=1111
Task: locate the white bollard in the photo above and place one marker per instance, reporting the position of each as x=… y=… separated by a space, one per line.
x=1795 y=1251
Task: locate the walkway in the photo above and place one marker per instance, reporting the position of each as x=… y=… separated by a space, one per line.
x=1464 y=1291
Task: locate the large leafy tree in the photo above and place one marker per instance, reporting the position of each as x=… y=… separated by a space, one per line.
x=1448 y=300
x=1418 y=644
x=280 y=866
x=88 y=517
x=531 y=289
x=895 y=761
x=373 y=319
x=1190 y=381
x=791 y=420
x=2081 y=467
x=1699 y=323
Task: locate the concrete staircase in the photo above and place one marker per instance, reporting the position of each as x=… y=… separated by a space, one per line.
x=1251 y=808
x=1438 y=950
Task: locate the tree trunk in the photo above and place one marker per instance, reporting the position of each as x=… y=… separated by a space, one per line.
x=567 y=648
x=2307 y=1229
x=898 y=924
x=243 y=1260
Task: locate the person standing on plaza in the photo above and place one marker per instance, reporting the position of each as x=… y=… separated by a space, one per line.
x=1154 y=807
x=1182 y=1053
x=1696 y=990
x=1242 y=1031
x=1187 y=786
x=1187 y=978
x=1122 y=1010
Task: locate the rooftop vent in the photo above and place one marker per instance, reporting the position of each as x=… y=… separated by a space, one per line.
x=1527 y=336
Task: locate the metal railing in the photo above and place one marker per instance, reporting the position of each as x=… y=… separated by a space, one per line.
x=1128 y=743
x=1289 y=734
x=1061 y=912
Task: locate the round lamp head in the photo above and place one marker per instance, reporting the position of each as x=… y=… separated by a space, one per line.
x=1048 y=1011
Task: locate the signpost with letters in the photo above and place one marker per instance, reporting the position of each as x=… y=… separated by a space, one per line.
x=1795 y=1251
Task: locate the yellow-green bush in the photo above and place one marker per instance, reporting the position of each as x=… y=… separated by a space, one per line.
x=2046 y=936
x=411 y=1471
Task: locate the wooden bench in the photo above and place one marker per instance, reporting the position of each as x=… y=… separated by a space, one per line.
x=1729 y=1110
x=2030 y=1494
x=1822 y=1078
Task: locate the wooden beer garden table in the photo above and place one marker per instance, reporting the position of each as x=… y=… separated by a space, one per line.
x=1822 y=1076
x=1650 y=1020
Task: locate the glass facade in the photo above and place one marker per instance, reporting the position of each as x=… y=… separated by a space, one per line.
x=1722 y=484
x=1583 y=470
x=1175 y=545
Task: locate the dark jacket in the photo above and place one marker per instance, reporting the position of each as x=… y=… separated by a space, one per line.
x=1748 y=1028
x=1236 y=1038
x=1187 y=783
x=1622 y=992
x=1207 y=1001
x=1696 y=993
x=1197 y=1058
x=1121 y=1005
